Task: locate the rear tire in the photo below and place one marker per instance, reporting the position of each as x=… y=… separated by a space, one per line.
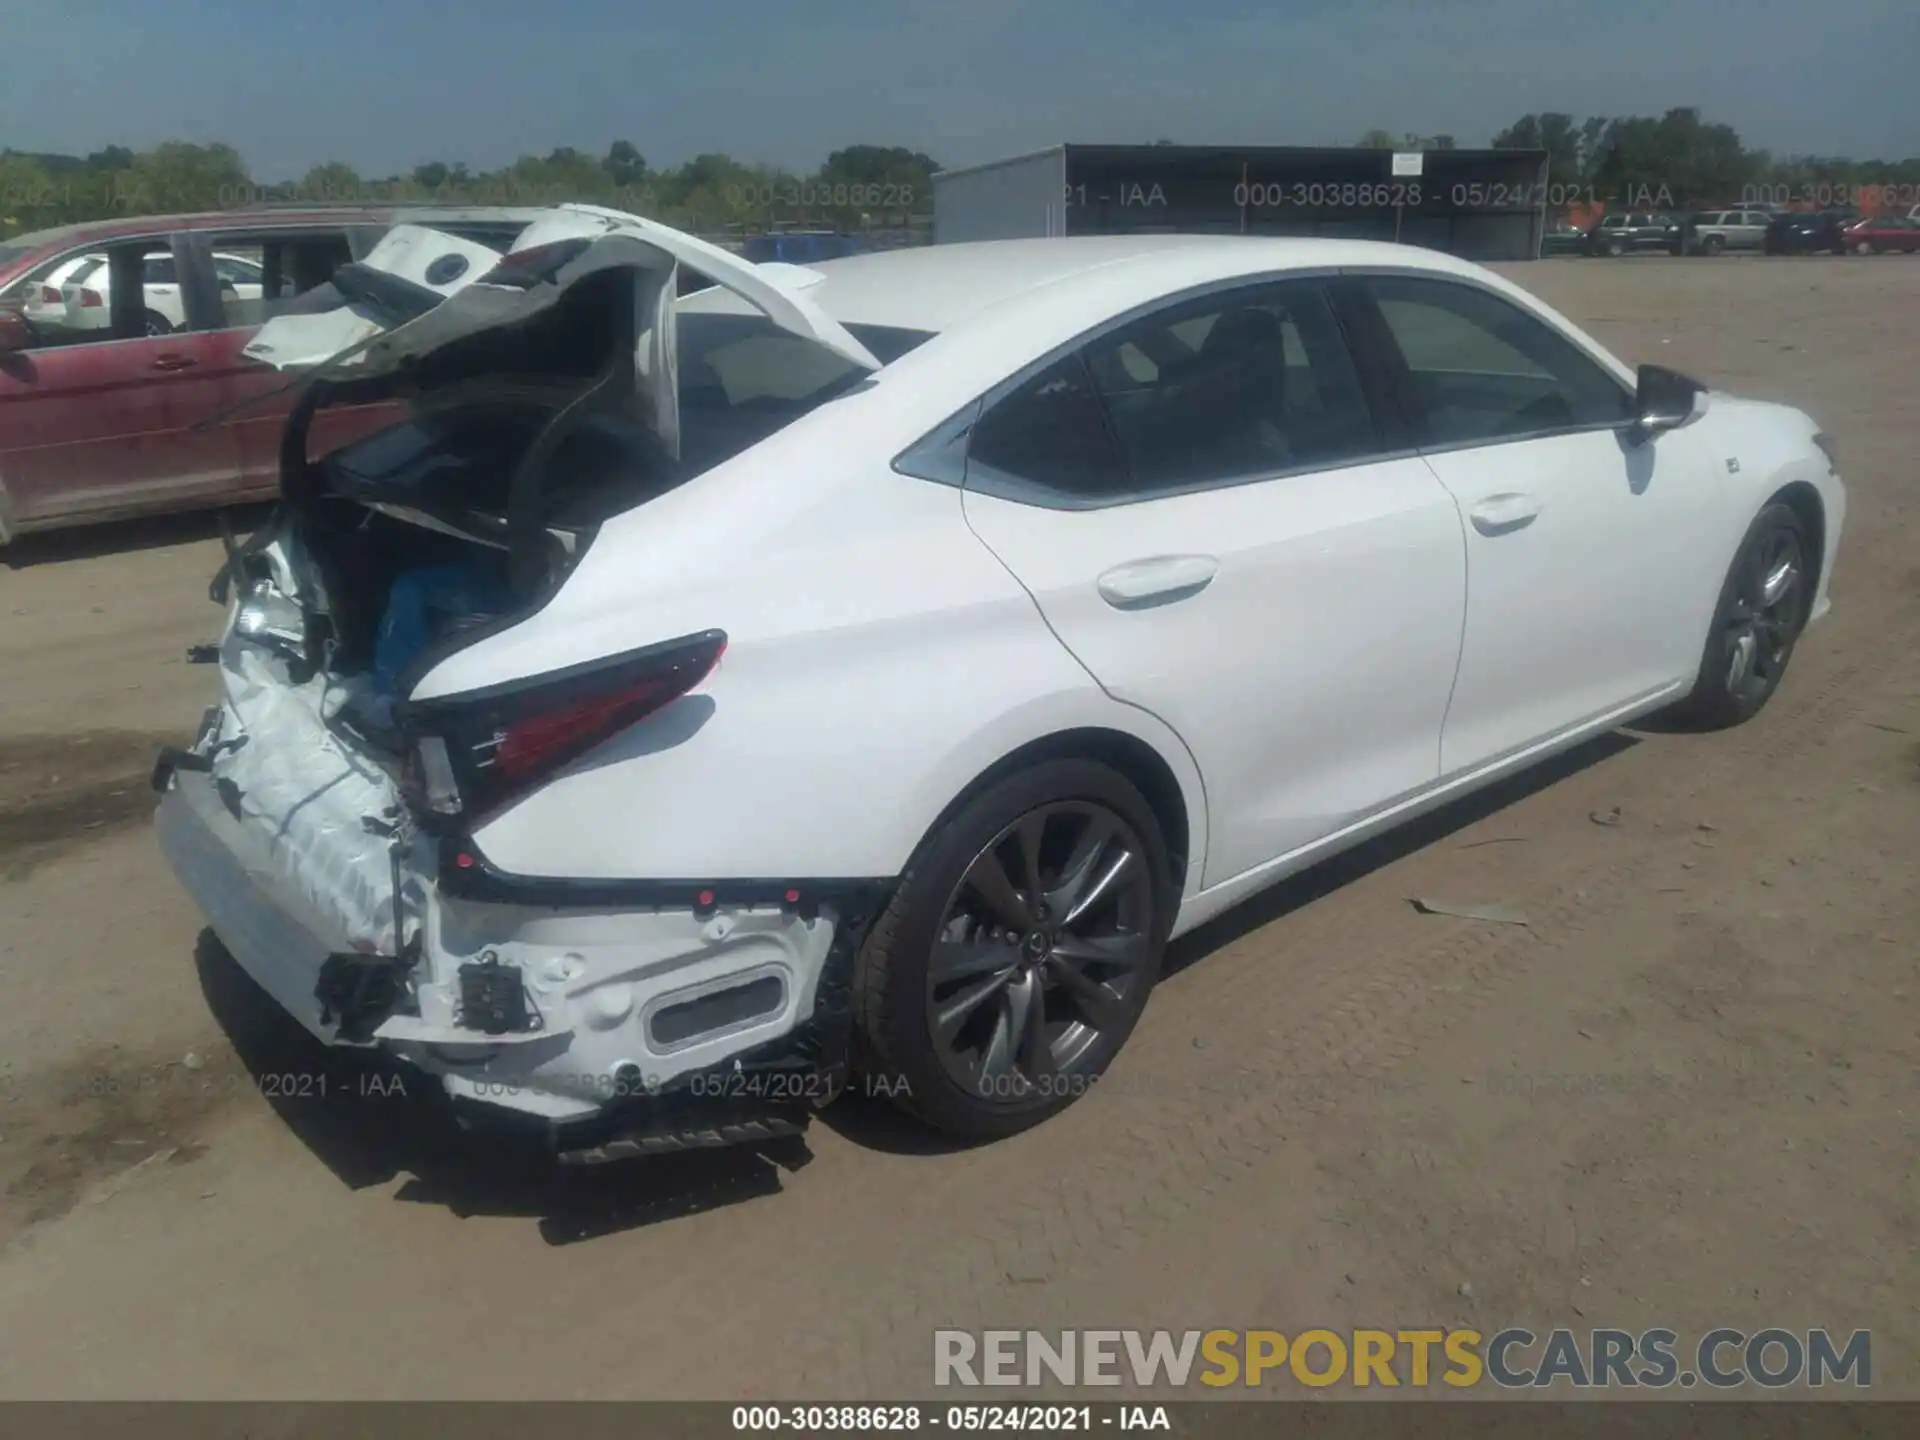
x=966 y=1019
x=1712 y=245
x=158 y=324
x=1762 y=609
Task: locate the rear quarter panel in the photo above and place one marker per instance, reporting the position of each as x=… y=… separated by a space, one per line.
x=879 y=660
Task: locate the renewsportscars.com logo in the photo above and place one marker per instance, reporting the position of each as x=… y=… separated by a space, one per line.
x=1511 y=1359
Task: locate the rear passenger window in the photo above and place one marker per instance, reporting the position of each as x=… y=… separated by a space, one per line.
x=1245 y=384
x=260 y=276
x=1255 y=382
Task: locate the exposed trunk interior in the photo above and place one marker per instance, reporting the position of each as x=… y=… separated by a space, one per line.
x=519 y=442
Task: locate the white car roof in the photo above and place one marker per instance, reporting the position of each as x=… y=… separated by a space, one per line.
x=998 y=305
x=937 y=287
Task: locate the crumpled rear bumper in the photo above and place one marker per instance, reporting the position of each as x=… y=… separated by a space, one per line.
x=270 y=930
x=651 y=1030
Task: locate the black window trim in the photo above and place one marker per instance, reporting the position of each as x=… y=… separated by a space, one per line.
x=940 y=456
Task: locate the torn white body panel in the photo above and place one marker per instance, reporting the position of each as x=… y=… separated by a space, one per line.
x=293 y=843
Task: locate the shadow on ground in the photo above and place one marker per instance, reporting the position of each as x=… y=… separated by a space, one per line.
x=122 y=537
x=1298 y=891
x=372 y=1120
x=378 y=1120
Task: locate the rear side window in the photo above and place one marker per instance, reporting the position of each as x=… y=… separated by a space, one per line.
x=158 y=270
x=1051 y=433
x=1255 y=382
x=736 y=362
x=265 y=274
x=1484 y=370
x=1243 y=385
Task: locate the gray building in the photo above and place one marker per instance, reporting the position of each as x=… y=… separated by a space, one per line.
x=1481 y=204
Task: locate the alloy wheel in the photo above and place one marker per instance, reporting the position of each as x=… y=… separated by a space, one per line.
x=1763 y=619
x=1041 y=952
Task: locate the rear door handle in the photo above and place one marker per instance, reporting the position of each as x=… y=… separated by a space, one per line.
x=1501 y=514
x=175 y=362
x=1158 y=580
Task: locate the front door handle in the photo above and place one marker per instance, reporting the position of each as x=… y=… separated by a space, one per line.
x=175 y=362
x=1501 y=514
x=1158 y=580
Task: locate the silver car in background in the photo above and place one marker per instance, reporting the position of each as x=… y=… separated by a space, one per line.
x=1710 y=232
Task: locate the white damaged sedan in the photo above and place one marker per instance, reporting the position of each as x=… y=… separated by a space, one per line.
x=1070 y=591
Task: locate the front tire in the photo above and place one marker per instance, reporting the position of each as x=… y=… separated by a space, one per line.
x=1762 y=609
x=1018 y=952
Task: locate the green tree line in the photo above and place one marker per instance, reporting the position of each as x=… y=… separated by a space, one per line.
x=1681 y=160
x=1676 y=159
x=859 y=187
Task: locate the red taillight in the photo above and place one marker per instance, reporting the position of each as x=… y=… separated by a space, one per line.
x=529 y=745
x=476 y=753
x=49 y=295
x=90 y=300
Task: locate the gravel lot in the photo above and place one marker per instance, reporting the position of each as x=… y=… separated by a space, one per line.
x=1684 y=1095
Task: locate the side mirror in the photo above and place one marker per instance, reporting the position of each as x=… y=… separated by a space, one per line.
x=1663 y=400
x=15 y=333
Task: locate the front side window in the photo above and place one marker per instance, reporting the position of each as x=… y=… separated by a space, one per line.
x=119 y=291
x=1482 y=369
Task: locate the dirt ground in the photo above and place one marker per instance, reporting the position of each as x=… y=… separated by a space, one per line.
x=1684 y=1095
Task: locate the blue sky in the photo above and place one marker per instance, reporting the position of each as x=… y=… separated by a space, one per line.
x=386 y=84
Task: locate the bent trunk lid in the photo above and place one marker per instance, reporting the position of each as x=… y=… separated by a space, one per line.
x=422 y=293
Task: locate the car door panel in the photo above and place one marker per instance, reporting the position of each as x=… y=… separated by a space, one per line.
x=100 y=429
x=1580 y=558
x=1308 y=672
x=1582 y=545
x=1254 y=571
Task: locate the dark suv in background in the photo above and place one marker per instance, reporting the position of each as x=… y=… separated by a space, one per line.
x=1630 y=230
x=1810 y=232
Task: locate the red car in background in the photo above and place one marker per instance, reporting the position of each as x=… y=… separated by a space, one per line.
x=1878 y=234
x=99 y=423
